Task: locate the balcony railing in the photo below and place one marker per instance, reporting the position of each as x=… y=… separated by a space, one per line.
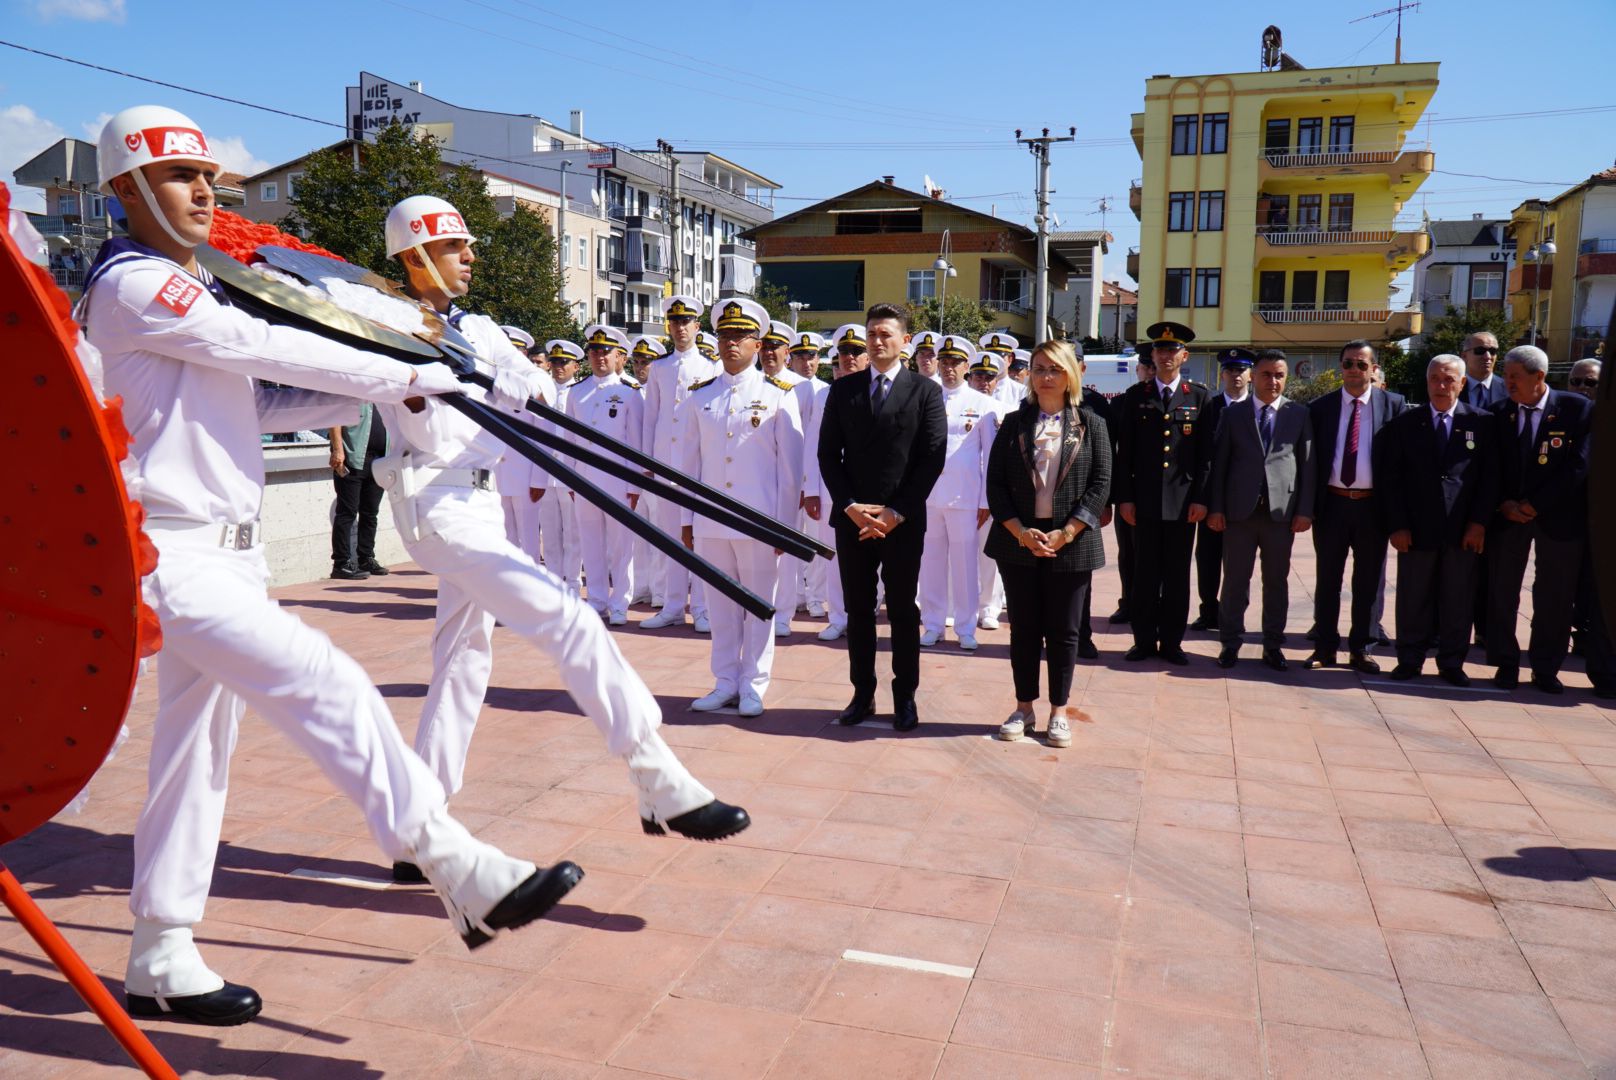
x=1013 y=307
x=1300 y=157
x=617 y=266
x=1326 y=313
x=1284 y=235
x=68 y=279
x=1596 y=246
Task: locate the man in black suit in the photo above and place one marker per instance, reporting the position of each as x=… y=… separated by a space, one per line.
x=883 y=440
x=1437 y=489
x=1543 y=507
x=1483 y=387
x=1234 y=373
x=1164 y=454
x=1345 y=428
x=1144 y=370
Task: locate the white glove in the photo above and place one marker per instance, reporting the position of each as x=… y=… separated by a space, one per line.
x=434 y=379
x=511 y=389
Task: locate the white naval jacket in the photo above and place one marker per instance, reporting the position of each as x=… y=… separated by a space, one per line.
x=515 y=474
x=667 y=385
x=612 y=405
x=973 y=421
x=743 y=436
x=187 y=367
x=813 y=485
x=1010 y=393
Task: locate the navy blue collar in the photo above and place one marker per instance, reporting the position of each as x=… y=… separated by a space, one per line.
x=121 y=248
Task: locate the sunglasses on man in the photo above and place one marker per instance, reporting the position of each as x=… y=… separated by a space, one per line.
x=1589 y=381
x=1490 y=350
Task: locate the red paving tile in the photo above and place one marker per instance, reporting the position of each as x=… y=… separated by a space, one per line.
x=1223 y=876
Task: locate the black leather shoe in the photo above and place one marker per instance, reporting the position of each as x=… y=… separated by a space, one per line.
x=374 y=567
x=1454 y=676
x=1119 y=617
x=1086 y=650
x=856 y=710
x=1363 y=664
x=1228 y=655
x=1138 y=653
x=1275 y=660
x=530 y=900
x=1548 y=682
x=1405 y=672
x=905 y=717
x=1173 y=654
x=1604 y=691
x=349 y=573
x=714 y=821
x=1203 y=624
x=1319 y=660
x=224 y=1007
x=407 y=873
x=1507 y=677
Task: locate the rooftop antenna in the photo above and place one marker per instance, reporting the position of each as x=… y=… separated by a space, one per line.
x=1402 y=6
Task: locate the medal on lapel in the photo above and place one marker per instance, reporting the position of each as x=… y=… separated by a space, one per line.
x=757 y=411
x=1470 y=440
x=613 y=401
x=1188 y=428
x=1543 y=454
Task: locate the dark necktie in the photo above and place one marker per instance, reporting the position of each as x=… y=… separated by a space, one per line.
x=1442 y=432
x=1526 y=431
x=1349 y=453
x=1265 y=427
x=878 y=394
x=1167 y=399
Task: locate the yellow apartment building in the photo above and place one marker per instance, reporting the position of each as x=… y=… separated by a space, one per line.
x=1269 y=200
x=1565 y=262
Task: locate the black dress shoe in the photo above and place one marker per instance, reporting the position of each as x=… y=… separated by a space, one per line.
x=1319 y=660
x=1086 y=650
x=1275 y=660
x=905 y=717
x=1454 y=676
x=1405 y=672
x=1363 y=664
x=407 y=873
x=1228 y=655
x=1507 y=677
x=349 y=573
x=1604 y=691
x=374 y=567
x=714 y=821
x=1548 y=682
x=228 y=1005
x=1173 y=655
x=530 y=900
x=1138 y=653
x=1119 y=617
x=1203 y=624
x=856 y=710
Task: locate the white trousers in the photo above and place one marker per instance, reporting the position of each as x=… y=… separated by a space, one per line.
x=558 y=538
x=483 y=577
x=815 y=574
x=606 y=548
x=990 y=586
x=645 y=571
x=677 y=582
x=227 y=645
x=743 y=645
x=950 y=582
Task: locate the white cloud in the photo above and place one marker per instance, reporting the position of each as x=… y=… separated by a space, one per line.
x=92 y=128
x=83 y=10
x=23 y=134
x=233 y=154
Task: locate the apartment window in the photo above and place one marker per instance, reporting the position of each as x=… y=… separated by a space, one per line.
x=1487 y=285
x=1178 y=289
x=1271 y=290
x=1279 y=211
x=67 y=204
x=1184 y=131
x=1215 y=133
x=98 y=206
x=824 y=286
x=269 y=191
x=1304 y=290
x=600 y=252
x=1307 y=212
x=1277 y=138
x=1180 y=211
x=1310 y=135
x=566 y=249
x=878 y=222
x=291 y=185
x=922 y=285
x=1341 y=128
x=557 y=144
x=1336 y=284
x=1341 y=213
x=583 y=253
x=1210 y=218
x=1208 y=288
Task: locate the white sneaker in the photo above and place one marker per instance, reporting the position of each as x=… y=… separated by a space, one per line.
x=987 y=622
x=832 y=632
x=816 y=610
x=617 y=618
x=967 y=642
x=930 y=638
x=703 y=626
x=715 y=700
x=1012 y=729
x=1060 y=732
x=665 y=617
x=782 y=629
x=751 y=705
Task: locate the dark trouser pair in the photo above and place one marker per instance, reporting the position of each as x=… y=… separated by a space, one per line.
x=1346 y=526
x=1160 y=601
x=1208 y=569
x=1554 y=587
x=1242 y=542
x=896 y=560
x=1046 y=607
x=358 y=498
x=1124 y=560
x=1434 y=592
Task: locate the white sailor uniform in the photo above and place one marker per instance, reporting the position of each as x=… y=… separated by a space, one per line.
x=667 y=385
x=949 y=580
x=514 y=476
x=612 y=405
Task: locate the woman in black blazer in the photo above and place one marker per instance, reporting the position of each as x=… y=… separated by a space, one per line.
x=1049 y=474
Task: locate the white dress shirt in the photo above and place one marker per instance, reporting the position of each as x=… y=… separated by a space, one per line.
x=1365 y=478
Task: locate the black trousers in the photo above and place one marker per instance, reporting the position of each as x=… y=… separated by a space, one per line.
x=1434 y=592
x=1160 y=602
x=1346 y=527
x=1554 y=586
x=1124 y=560
x=896 y=560
x=1208 y=569
x=358 y=498
x=1045 y=607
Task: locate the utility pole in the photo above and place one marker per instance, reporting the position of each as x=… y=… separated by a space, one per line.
x=1039 y=146
x=562 y=254
x=671 y=193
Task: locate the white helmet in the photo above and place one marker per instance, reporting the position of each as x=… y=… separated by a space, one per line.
x=422 y=218
x=145 y=134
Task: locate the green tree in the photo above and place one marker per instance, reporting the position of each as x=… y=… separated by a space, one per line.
x=971 y=318
x=516 y=280
x=1447 y=332
x=776 y=300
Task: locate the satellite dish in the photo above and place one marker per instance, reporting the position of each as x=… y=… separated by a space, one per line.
x=1055 y=217
x=594 y=196
x=1271 y=45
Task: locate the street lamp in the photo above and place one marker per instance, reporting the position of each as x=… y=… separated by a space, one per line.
x=945 y=270
x=1537 y=254
x=796 y=307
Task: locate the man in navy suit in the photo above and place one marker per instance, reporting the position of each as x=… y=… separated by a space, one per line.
x=1542 y=508
x=1438 y=488
x=1346 y=426
x=1483 y=387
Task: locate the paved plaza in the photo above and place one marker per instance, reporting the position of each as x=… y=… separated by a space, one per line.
x=1228 y=874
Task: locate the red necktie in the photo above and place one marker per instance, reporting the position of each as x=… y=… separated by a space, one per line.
x=1349 y=456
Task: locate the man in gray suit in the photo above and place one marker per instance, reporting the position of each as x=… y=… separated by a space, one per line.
x=1261 y=496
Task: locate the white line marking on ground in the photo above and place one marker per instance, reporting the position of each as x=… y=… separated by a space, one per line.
x=342 y=879
x=1445 y=688
x=883 y=960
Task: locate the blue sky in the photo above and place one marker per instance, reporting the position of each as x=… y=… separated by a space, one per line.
x=828 y=95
